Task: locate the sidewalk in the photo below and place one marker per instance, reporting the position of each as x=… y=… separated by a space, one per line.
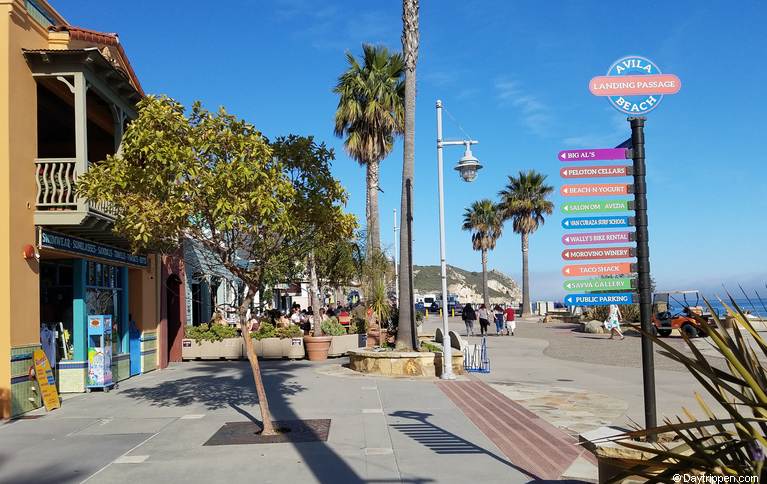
x=153 y=428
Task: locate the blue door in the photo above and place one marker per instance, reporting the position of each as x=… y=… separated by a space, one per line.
x=135 y=349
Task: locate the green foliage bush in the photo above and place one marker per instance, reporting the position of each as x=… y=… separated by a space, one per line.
x=358 y=322
x=291 y=331
x=430 y=347
x=265 y=330
x=331 y=327
x=208 y=332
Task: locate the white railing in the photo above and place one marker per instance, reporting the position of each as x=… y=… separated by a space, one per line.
x=56 y=178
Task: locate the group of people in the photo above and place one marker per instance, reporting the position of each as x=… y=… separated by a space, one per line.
x=505 y=319
x=303 y=318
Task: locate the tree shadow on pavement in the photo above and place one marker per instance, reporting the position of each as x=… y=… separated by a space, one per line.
x=441 y=441
x=230 y=384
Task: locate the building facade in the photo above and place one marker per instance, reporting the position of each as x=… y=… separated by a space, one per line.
x=66 y=96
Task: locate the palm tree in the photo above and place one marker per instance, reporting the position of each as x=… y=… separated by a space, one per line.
x=406 y=322
x=524 y=202
x=483 y=219
x=370 y=113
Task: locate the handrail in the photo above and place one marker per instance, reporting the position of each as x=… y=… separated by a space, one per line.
x=56 y=179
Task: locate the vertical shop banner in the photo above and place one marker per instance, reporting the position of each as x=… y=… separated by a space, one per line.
x=45 y=380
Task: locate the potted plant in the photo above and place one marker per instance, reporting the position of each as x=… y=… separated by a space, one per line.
x=268 y=344
x=211 y=341
x=341 y=342
x=292 y=341
x=317 y=345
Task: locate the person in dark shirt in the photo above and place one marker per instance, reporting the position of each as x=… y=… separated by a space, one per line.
x=469 y=316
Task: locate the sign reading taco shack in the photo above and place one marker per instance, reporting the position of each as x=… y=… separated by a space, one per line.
x=634 y=85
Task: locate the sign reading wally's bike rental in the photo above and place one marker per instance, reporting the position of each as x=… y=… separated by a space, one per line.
x=634 y=85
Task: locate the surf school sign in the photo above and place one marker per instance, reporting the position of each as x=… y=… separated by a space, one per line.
x=634 y=85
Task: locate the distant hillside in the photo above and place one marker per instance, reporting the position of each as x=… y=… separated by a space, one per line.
x=467 y=285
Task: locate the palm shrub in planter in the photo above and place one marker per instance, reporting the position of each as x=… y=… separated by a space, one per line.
x=712 y=446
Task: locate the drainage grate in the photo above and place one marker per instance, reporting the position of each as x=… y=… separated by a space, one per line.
x=233 y=433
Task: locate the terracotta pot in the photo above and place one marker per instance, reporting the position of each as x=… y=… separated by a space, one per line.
x=317 y=347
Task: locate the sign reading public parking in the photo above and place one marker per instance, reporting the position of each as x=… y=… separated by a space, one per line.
x=591 y=299
x=634 y=85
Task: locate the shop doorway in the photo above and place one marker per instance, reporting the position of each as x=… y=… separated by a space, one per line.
x=173 y=301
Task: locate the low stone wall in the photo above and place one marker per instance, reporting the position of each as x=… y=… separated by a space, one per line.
x=392 y=363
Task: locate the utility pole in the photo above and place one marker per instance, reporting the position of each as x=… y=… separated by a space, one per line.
x=394 y=257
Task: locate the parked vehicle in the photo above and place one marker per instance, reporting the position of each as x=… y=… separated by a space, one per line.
x=670 y=313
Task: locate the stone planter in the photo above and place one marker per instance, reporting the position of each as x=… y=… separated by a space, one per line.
x=341 y=344
x=392 y=363
x=229 y=348
x=373 y=338
x=317 y=347
x=293 y=348
x=271 y=348
x=456 y=356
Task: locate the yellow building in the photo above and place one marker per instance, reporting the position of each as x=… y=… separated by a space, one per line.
x=66 y=95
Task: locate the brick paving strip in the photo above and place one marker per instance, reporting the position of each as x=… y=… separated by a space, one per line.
x=528 y=441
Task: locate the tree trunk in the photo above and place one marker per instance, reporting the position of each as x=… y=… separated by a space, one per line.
x=485 y=296
x=313 y=289
x=371 y=215
x=405 y=331
x=263 y=403
x=526 y=310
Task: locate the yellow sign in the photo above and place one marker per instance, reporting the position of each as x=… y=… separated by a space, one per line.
x=46 y=380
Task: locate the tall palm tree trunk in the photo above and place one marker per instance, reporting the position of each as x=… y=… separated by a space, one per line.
x=485 y=296
x=526 y=311
x=371 y=215
x=410 y=53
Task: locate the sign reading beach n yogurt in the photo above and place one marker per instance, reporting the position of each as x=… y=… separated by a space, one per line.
x=634 y=85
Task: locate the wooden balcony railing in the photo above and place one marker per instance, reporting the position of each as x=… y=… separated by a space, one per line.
x=56 y=179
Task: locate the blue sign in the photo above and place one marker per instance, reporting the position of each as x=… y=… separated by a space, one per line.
x=593 y=299
x=596 y=222
x=75 y=245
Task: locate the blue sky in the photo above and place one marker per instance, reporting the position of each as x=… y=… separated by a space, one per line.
x=515 y=76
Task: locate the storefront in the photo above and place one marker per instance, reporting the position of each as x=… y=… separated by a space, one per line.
x=80 y=279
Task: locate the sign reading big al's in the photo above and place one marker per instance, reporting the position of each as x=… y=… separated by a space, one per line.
x=634 y=85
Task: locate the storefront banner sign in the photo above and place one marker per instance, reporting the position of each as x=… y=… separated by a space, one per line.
x=75 y=245
x=45 y=380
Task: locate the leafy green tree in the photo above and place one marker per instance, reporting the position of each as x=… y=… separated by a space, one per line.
x=370 y=113
x=485 y=222
x=524 y=202
x=257 y=208
x=410 y=39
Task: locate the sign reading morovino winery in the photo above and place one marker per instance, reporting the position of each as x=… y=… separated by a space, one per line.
x=66 y=243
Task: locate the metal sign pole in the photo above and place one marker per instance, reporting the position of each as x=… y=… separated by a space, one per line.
x=643 y=266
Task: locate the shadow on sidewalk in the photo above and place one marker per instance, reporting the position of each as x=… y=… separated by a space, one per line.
x=441 y=441
x=236 y=390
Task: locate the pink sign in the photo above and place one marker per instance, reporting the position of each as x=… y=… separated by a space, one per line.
x=593 y=155
x=604 y=189
x=635 y=85
x=595 y=171
x=598 y=238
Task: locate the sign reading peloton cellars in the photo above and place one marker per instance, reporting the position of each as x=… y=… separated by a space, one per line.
x=596 y=171
x=598 y=189
x=634 y=85
x=600 y=284
x=598 y=206
x=593 y=299
x=598 y=238
x=596 y=154
x=611 y=268
x=75 y=245
x=598 y=253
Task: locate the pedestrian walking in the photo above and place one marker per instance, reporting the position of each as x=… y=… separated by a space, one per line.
x=484 y=319
x=613 y=321
x=498 y=317
x=469 y=316
x=511 y=320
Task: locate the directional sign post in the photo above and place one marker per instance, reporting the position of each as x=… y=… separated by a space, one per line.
x=593 y=299
x=599 y=206
x=609 y=269
x=596 y=222
x=595 y=171
x=600 y=284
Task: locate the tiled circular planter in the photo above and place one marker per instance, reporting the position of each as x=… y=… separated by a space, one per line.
x=392 y=363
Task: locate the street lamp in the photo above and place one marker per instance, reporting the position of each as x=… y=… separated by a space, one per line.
x=467 y=167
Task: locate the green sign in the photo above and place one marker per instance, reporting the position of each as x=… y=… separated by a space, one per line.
x=597 y=206
x=600 y=284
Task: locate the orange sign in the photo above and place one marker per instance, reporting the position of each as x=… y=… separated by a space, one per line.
x=45 y=380
x=598 y=269
x=636 y=85
x=602 y=189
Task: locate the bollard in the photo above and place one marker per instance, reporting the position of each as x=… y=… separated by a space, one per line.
x=452 y=312
x=440 y=312
x=427 y=313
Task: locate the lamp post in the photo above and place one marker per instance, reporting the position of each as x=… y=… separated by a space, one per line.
x=394 y=258
x=467 y=167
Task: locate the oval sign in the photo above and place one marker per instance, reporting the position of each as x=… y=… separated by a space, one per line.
x=634 y=85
